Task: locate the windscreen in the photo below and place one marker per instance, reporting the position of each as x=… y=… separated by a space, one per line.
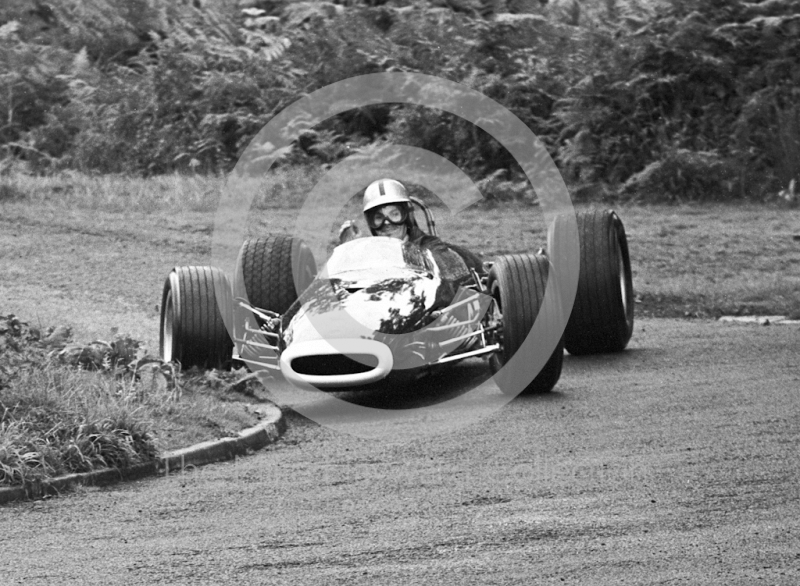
x=377 y=253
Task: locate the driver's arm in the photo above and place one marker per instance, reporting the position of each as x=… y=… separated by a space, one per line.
x=348 y=231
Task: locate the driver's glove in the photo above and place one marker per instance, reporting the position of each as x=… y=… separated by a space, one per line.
x=348 y=231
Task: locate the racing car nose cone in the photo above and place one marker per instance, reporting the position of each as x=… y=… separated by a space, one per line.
x=336 y=363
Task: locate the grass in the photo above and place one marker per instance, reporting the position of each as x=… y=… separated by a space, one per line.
x=113 y=192
x=687 y=259
x=717 y=259
x=117 y=193
x=57 y=421
x=57 y=417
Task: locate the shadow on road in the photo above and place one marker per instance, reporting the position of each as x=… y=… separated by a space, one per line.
x=410 y=392
x=429 y=389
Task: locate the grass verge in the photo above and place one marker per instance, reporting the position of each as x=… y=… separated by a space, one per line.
x=68 y=408
x=688 y=260
x=119 y=193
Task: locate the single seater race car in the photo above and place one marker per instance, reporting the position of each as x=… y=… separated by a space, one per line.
x=381 y=307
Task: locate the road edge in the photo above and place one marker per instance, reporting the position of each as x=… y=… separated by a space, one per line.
x=227 y=448
x=762 y=320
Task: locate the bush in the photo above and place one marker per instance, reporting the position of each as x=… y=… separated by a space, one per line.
x=145 y=87
x=701 y=77
x=57 y=419
x=154 y=86
x=67 y=407
x=683 y=175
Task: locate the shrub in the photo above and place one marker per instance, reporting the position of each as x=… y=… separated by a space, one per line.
x=683 y=175
x=700 y=77
x=154 y=86
x=56 y=419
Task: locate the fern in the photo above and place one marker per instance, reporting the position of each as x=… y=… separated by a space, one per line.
x=157 y=86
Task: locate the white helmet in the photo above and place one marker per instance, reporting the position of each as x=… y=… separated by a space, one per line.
x=384 y=191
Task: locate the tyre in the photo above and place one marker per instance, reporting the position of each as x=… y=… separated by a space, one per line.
x=602 y=316
x=192 y=330
x=517 y=284
x=275 y=270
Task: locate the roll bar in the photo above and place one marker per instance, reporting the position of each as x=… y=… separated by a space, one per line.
x=428 y=215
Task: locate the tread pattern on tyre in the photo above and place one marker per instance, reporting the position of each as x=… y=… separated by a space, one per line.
x=599 y=321
x=200 y=336
x=522 y=281
x=268 y=267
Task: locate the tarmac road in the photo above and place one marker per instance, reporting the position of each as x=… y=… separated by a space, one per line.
x=675 y=462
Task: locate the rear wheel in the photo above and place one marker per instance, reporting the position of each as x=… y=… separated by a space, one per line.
x=275 y=270
x=192 y=330
x=517 y=284
x=602 y=316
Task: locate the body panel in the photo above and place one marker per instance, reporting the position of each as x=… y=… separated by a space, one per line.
x=388 y=305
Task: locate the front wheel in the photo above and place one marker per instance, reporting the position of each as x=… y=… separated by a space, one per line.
x=275 y=271
x=192 y=330
x=517 y=283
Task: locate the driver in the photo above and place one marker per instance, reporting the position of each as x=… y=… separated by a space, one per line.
x=388 y=212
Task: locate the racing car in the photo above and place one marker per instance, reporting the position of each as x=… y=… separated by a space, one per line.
x=381 y=308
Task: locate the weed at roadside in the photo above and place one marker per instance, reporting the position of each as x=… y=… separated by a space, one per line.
x=67 y=408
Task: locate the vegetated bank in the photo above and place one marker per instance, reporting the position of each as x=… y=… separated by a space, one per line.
x=67 y=407
x=670 y=100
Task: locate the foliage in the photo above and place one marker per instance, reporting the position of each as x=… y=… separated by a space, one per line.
x=612 y=87
x=56 y=420
x=67 y=407
x=683 y=175
x=150 y=102
x=181 y=88
x=701 y=77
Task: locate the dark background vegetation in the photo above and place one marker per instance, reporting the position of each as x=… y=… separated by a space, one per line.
x=659 y=100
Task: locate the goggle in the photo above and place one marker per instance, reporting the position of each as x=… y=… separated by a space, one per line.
x=393 y=214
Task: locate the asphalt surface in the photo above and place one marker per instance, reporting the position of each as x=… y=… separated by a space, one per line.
x=675 y=462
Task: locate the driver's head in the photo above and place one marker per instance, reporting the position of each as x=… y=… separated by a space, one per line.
x=387 y=209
